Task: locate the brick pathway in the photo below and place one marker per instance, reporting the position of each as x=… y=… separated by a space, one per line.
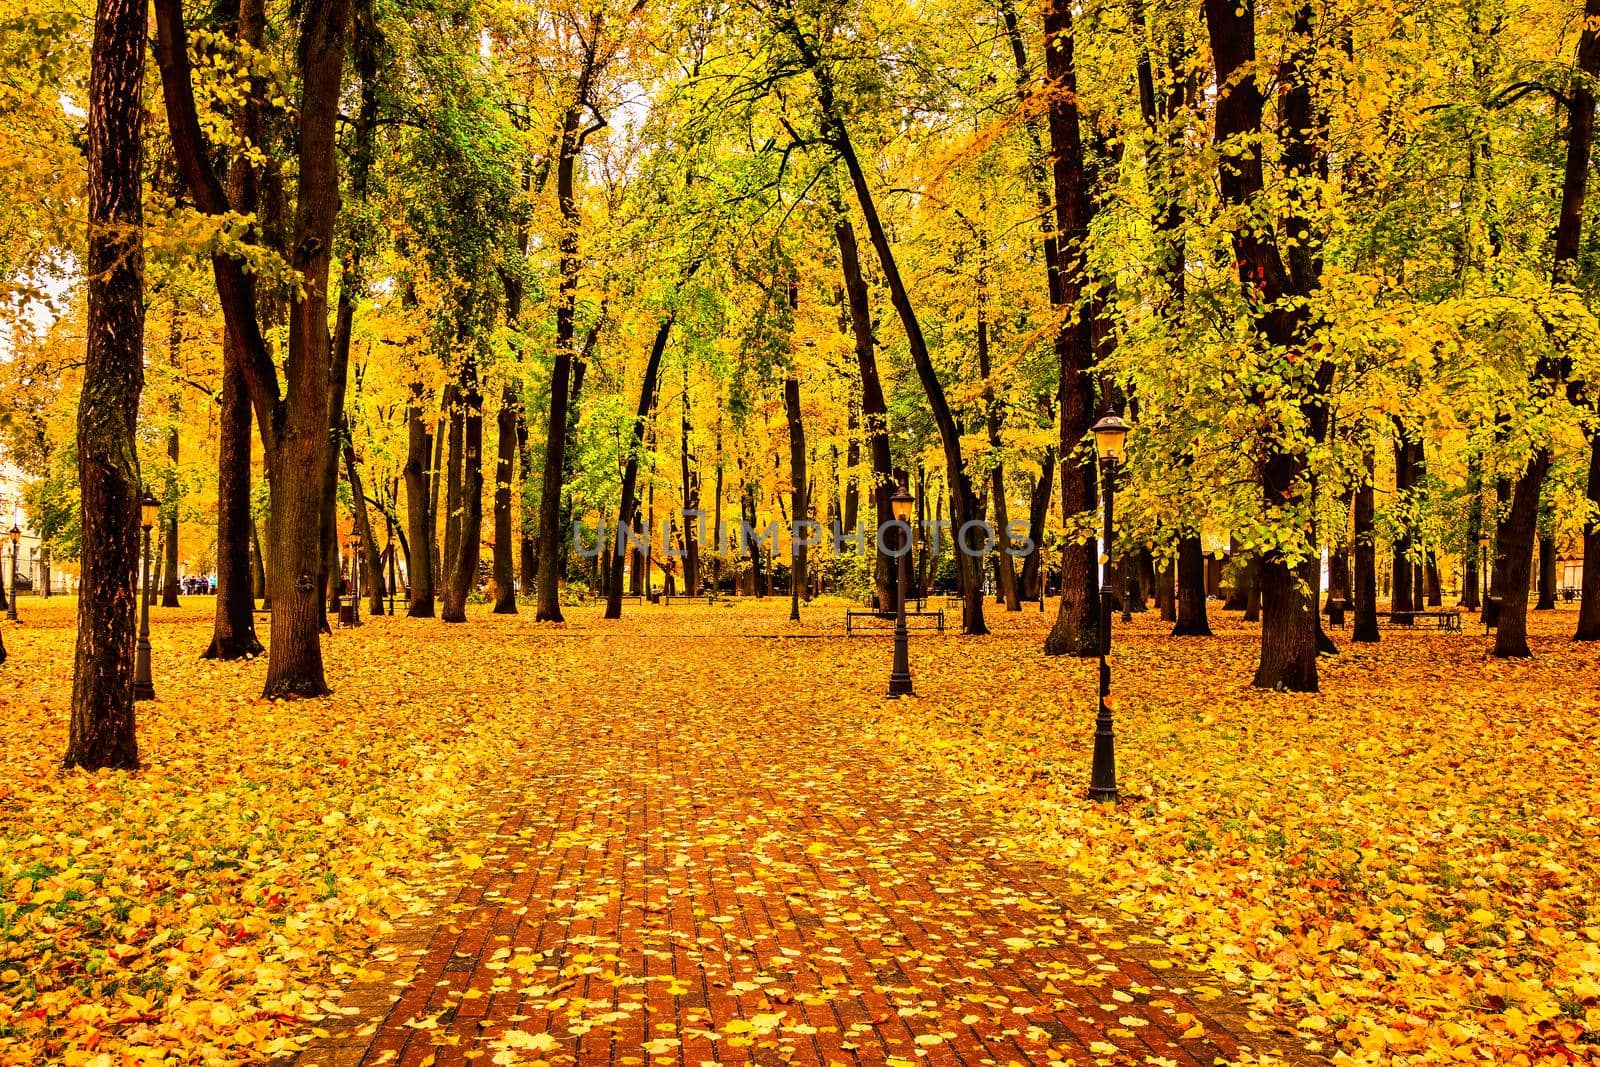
x=684 y=872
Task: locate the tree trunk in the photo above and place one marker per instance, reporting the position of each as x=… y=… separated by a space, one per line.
x=1589 y=605
x=258 y=570
x=294 y=423
x=455 y=405
x=1547 y=573
x=874 y=409
x=1518 y=535
x=373 y=559
x=527 y=541
x=1470 y=576
x=1033 y=575
x=419 y=521
x=1076 y=631
x=505 y=569
x=463 y=573
x=691 y=501
x=1511 y=638
x=233 y=631
x=1192 y=621
x=169 y=541
x=799 y=507
x=630 y=473
x=1338 y=584
x=964 y=501
x=1289 y=623
x=101 y=728
x=1404 y=597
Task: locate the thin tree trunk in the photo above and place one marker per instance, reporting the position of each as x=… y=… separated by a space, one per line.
x=469 y=531
x=505 y=571
x=1365 y=590
x=455 y=405
x=101 y=728
x=527 y=541
x=1589 y=606
x=373 y=578
x=233 y=630
x=874 y=409
x=169 y=541
x=1471 y=578
x=630 y=473
x=799 y=508
x=691 y=501
x=1547 y=573
x=419 y=520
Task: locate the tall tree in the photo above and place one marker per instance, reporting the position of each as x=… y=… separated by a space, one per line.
x=293 y=420
x=101 y=729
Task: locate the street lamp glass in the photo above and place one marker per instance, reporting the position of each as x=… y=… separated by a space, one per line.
x=149 y=510
x=901 y=503
x=15 y=535
x=1109 y=434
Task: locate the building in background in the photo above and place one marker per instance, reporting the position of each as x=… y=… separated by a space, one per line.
x=33 y=559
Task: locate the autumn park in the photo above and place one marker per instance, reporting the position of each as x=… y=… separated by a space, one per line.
x=666 y=533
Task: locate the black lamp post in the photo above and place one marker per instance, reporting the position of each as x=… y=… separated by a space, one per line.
x=143 y=686
x=900 y=675
x=16 y=546
x=355 y=579
x=1109 y=435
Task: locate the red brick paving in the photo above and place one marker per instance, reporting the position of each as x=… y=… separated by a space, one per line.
x=686 y=871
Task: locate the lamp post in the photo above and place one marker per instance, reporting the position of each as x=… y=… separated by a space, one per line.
x=16 y=546
x=900 y=675
x=143 y=686
x=1109 y=435
x=355 y=579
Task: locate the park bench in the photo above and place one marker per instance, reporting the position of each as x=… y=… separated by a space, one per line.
x=1442 y=620
x=888 y=616
x=668 y=598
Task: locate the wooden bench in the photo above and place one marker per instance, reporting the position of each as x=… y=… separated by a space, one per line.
x=668 y=598
x=888 y=616
x=1442 y=620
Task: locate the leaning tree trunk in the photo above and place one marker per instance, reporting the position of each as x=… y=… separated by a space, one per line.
x=1038 y=511
x=964 y=501
x=630 y=473
x=463 y=574
x=419 y=523
x=505 y=573
x=372 y=559
x=874 y=409
x=233 y=631
x=101 y=728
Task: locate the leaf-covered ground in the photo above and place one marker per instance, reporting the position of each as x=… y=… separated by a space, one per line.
x=1401 y=868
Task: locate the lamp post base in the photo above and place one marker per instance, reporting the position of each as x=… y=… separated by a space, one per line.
x=900 y=686
x=143 y=687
